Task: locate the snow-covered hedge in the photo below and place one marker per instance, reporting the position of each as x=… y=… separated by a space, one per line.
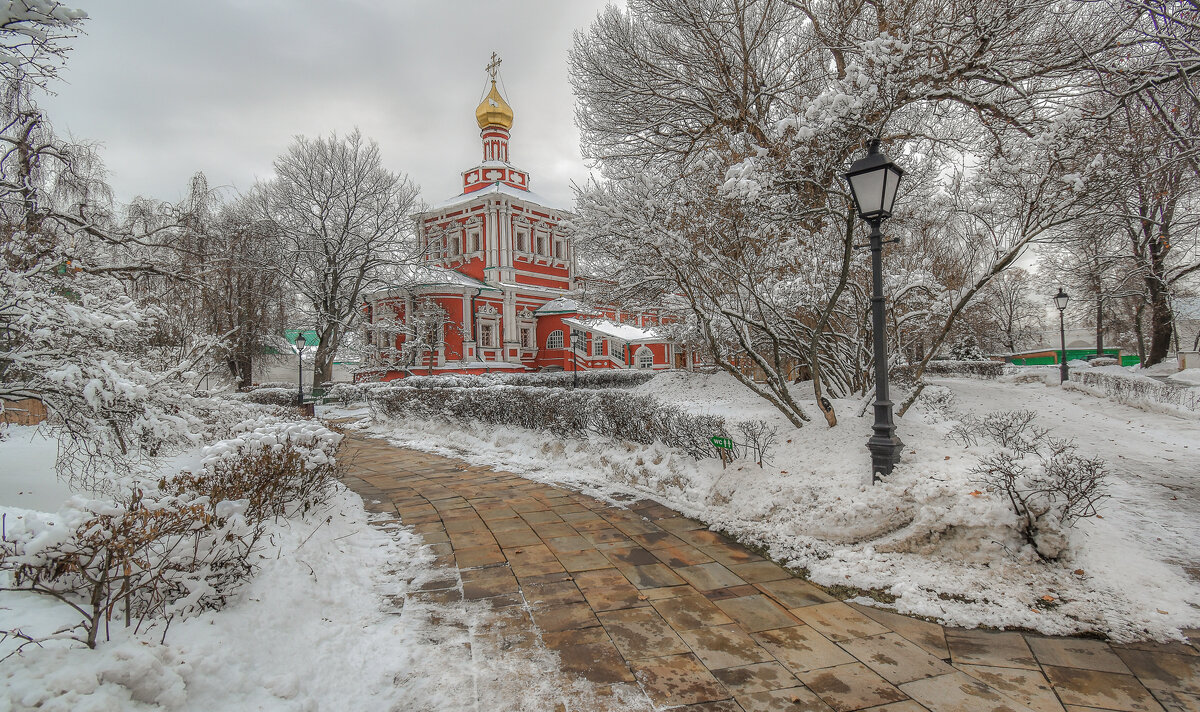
x=973 y=369
x=566 y=413
x=346 y=393
x=268 y=396
x=1137 y=390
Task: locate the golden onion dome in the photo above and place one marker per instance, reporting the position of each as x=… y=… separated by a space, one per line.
x=494 y=111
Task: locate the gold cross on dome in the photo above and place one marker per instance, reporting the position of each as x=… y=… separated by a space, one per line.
x=493 y=66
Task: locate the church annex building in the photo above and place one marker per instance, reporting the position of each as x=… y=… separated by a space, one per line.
x=496 y=291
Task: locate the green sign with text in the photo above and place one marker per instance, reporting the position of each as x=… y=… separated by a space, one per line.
x=723 y=443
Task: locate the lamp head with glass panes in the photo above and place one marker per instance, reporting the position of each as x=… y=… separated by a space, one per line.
x=873 y=180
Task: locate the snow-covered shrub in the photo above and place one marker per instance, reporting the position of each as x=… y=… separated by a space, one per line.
x=272 y=465
x=139 y=557
x=179 y=549
x=1104 y=361
x=1138 y=390
x=566 y=413
x=1046 y=482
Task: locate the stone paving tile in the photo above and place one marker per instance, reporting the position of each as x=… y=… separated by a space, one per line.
x=760 y=572
x=690 y=611
x=758 y=677
x=477 y=556
x=931 y=637
x=839 y=622
x=564 y=616
x=795 y=699
x=552 y=593
x=678 y=680
x=801 y=648
x=793 y=592
x=851 y=687
x=706 y=577
x=641 y=633
x=1164 y=671
x=584 y=561
x=626 y=553
x=1029 y=687
x=721 y=706
x=1106 y=690
x=981 y=647
x=1076 y=653
x=895 y=659
x=683 y=555
x=757 y=612
x=651 y=576
x=724 y=646
x=959 y=692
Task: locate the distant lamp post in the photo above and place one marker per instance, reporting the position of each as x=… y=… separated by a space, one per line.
x=873 y=180
x=1061 y=300
x=300 y=344
x=576 y=338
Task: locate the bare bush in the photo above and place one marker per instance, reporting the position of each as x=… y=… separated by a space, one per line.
x=1048 y=484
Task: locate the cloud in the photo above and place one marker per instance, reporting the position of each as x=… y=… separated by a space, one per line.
x=222 y=86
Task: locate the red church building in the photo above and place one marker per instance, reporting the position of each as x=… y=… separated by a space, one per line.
x=496 y=291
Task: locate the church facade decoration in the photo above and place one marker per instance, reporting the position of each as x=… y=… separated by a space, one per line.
x=496 y=292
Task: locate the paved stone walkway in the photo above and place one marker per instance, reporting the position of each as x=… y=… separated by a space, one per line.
x=643 y=596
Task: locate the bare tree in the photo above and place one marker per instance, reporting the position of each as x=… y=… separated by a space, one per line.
x=341 y=220
x=1012 y=310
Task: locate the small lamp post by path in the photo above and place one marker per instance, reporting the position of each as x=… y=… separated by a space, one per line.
x=576 y=338
x=873 y=180
x=1060 y=300
x=300 y=344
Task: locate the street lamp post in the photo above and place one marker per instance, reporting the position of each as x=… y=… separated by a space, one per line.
x=1060 y=300
x=873 y=180
x=300 y=344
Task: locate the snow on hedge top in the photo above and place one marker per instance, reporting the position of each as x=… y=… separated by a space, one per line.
x=316 y=443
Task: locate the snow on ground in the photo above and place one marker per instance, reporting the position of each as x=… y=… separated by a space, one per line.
x=928 y=536
x=327 y=623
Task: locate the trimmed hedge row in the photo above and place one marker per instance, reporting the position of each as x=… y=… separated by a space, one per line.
x=1132 y=390
x=566 y=413
x=972 y=369
x=611 y=378
x=268 y=396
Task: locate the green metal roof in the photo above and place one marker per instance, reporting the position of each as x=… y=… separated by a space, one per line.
x=310 y=336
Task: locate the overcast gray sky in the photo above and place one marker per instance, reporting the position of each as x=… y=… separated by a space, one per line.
x=171 y=87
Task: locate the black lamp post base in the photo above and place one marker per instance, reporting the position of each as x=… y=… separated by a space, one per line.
x=885 y=447
x=885 y=453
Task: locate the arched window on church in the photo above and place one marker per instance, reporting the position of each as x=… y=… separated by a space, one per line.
x=644 y=358
x=555 y=340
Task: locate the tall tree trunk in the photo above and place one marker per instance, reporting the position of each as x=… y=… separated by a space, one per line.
x=326 y=351
x=1161 y=321
x=1140 y=331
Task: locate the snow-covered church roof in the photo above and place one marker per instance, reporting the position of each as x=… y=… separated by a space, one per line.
x=433 y=276
x=562 y=305
x=499 y=189
x=622 y=332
